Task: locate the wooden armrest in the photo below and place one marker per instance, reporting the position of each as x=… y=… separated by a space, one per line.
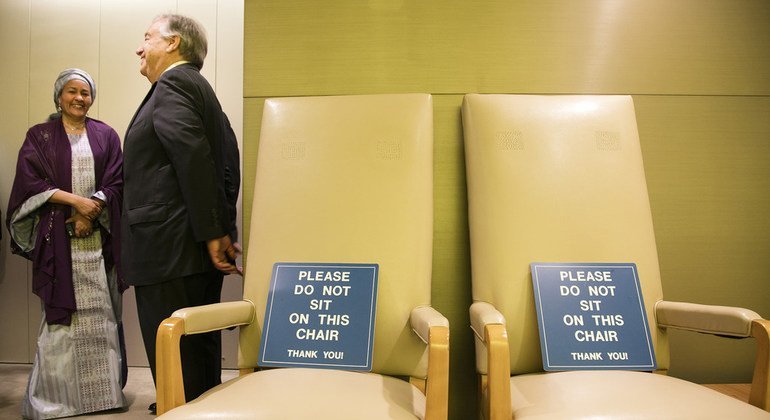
x=168 y=365
x=498 y=396
x=433 y=329
x=760 y=393
x=709 y=319
x=488 y=325
x=196 y=320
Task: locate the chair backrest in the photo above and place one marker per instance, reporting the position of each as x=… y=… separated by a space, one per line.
x=347 y=179
x=554 y=179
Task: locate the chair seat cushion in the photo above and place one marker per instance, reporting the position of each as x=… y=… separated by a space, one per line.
x=621 y=395
x=306 y=394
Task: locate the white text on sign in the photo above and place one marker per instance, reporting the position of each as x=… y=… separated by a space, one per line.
x=585 y=275
x=324 y=275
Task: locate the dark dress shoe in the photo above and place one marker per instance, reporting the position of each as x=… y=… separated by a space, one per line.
x=153 y=408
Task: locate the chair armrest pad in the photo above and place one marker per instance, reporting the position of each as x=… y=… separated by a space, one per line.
x=425 y=317
x=217 y=316
x=483 y=314
x=710 y=319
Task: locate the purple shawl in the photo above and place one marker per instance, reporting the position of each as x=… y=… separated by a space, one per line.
x=45 y=163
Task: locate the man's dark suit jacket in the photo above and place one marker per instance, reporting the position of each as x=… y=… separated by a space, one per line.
x=174 y=170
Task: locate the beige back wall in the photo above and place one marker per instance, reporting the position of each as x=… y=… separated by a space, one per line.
x=699 y=73
x=39 y=38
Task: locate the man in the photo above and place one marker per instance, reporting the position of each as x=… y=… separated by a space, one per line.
x=176 y=218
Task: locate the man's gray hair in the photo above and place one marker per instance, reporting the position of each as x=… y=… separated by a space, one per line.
x=192 y=45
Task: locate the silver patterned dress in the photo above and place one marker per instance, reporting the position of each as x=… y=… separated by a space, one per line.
x=77 y=367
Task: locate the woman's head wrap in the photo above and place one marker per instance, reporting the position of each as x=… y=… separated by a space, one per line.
x=67 y=75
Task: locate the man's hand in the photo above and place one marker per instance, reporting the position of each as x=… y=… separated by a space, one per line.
x=223 y=253
x=237 y=251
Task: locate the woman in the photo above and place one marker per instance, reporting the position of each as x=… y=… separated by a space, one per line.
x=63 y=215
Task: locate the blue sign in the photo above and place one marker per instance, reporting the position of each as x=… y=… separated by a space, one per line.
x=320 y=315
x=591 y=316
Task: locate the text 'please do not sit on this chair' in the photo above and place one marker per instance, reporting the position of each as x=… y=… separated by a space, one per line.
x=340 y=179
x=560 y=179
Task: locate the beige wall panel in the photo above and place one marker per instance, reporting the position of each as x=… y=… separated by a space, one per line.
x=121 y=87
x=56 y=44
x=205 y=11
x=229 y=61
x=14 y=286
x=599 y=46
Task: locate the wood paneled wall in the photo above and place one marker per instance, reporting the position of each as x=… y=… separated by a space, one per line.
x=699 y=72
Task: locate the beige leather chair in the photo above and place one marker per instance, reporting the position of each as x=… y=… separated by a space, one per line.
x=560 y=179
x=344 y=179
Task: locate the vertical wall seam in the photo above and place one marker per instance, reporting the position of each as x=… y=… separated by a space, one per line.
x=28 y=271
x=216 y=58
x=99 y=52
